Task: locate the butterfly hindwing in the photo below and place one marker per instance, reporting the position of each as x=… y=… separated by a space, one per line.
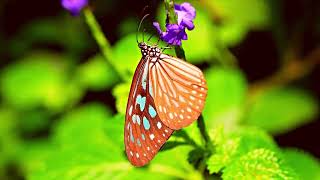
x=179 y=91
x=144 y=132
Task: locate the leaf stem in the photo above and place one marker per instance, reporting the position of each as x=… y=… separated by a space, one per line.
x=99 y=37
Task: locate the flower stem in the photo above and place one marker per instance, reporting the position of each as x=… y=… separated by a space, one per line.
x=172 y=19
x=203 y=131
x=99 y=37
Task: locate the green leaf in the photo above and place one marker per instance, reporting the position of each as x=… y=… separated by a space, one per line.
x=226 y=93
x=126 y=56
x=196 y=156
x=201 y=44
x=9 y=138
x=32 y=120
x=38 y=79
x=88 y=144
x=127 y=26
x=282 y=109
x=231 y=34
x=303 y=163
x=90 y=118
x=121 y=93
x=236 y=21
x=32 y=155
x=177 y=166
x=259 y=164
x=194 y=133
x=45 y=30
x=237 y=11
x=97 y=74
x=232 y=145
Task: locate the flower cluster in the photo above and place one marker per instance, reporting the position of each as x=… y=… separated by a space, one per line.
x=176 y=32
x=74 y=6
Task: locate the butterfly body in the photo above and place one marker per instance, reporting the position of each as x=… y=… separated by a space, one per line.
x=166 y=94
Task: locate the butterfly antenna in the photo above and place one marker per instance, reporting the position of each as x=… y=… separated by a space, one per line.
x=144 y=30
x=158 y=41
x=144 y=17
x=150 y=37
x=165 y=48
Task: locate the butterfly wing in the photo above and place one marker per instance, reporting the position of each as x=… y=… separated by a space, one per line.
x=144 y=133
x=179 y=91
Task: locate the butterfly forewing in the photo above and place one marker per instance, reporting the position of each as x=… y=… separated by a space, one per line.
x=180 y=91
x=144 y=132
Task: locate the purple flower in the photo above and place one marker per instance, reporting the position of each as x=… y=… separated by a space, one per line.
x=176 y=32
x=74 y=6
x=186 y=13
x=173 y=35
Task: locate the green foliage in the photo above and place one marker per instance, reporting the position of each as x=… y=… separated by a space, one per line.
x=306 y=166
x=237 y=11
x=239 y=17
x=88 y=144
x=282 y=109
x=9 y=141
x=220 y=108
x=96 y=74
x=258 y=164
x=121 y=93
x=247 y=153
x=203 y=36
x=45 y=31
x=128 y=26
x=38 y=79
x=231 y=146
x=126 y=55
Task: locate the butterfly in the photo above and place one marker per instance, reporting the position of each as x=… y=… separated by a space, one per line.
x=166 y=94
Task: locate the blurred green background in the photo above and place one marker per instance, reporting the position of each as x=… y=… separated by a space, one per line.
x=62 y=105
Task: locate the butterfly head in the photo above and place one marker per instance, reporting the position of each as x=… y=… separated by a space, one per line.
x=151 y=51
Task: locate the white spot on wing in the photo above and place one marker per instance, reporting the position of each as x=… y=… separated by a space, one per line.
x=182 y=99
x=151 y=136
x=159 y=125
x=170 y=115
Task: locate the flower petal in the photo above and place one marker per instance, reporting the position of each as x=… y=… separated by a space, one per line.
x=157 y=26
x=188 y=24
x=186 y=13
x=74 y=6
x=187 y=7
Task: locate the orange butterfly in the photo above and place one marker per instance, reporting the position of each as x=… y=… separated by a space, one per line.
x=166 y=94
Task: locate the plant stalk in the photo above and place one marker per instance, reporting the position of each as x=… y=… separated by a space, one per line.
x=99 y=37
